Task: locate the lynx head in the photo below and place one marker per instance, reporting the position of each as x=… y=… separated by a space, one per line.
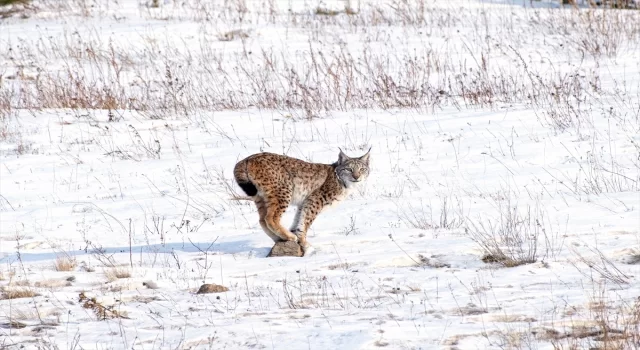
x=352 y=170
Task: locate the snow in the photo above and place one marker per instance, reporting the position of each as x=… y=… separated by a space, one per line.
x=398 y=263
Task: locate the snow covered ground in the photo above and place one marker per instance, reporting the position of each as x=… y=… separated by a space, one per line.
x=502 y=209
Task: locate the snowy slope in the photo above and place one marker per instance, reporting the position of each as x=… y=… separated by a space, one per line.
x=488 y=122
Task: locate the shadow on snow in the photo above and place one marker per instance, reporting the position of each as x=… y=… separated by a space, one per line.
x=235 y=247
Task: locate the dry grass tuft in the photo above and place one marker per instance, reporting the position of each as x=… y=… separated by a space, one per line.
x=514 y=237
x=101 y=311
x=13 y=2
x=431 y=262
x=53 y=284
x=13 y=325
x=9 y=8
x=212 y=288
x=504 y=260
x=606 y=325
x=18 y=293
x=20 y=283
x=380 y=343
x=633 y=259
x=233 y=35
x=64 y=263
x=116 y=273
x=326 y=12
x=341 y=266
x=6 y=275
x=27 y=313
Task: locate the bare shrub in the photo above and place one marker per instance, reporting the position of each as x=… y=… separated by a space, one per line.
x=599 y=264
x=513 y=238
x=422 y=217
x=598 y=172
x=600 y=175
x=600 y=32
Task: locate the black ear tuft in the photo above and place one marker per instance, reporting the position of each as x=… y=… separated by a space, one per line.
x=342 y=158
x=365 y=158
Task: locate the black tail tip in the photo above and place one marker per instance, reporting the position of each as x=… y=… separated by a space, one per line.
x=248 y=188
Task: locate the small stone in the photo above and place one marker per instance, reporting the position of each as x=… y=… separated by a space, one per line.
x=150 y=284
x=71 y=279
x=211 y=288
x=286 y=248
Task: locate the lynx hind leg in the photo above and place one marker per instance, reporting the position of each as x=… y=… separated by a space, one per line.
x=276 y=206
x=262 y=211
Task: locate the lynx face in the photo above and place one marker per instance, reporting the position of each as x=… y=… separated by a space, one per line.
x=352 y=170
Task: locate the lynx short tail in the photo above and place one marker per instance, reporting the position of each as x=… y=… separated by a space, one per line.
x=242 y=178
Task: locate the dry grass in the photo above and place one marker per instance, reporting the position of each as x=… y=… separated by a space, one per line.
x=64 y=263
x=116 y=273
x=320 y=11
x=25 y=313
x=513 y=237
x=22 y=282
x=9 y=8
x=608 y=322
x=431 y=262
x=102 y=312
x=339 y=266
x=237 y=34
x=380 y=343
x=17 y=293
x=597 y=264
x=633 y=259
x=422 y=216
x=97 y=75
x=13 y=2
x=4 y=275
x=53 y=284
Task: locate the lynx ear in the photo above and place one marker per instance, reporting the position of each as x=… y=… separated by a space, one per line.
x=365 y=158
x=342 y=158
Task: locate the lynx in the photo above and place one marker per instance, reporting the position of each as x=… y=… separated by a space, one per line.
x=274 y=182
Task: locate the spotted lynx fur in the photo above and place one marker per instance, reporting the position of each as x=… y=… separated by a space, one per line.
x=275 y=182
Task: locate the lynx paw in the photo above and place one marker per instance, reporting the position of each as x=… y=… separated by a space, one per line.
x=295 y=232
x=308 y=250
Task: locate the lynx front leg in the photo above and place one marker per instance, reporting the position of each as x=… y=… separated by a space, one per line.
x=307 y=213
x=262 y=210
x=297 y=228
